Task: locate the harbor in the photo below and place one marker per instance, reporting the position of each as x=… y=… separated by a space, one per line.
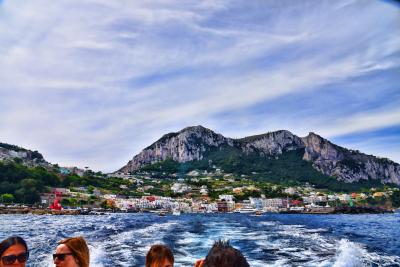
x=23 y=209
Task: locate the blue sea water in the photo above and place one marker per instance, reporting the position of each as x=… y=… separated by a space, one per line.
x=267 y=240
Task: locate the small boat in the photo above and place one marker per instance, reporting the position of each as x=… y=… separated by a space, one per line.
x=296 y=209
x=161 y=213
x=246 y=210
x=176 y=212
x=258 y=213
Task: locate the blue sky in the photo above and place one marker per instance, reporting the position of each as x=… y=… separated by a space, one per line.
x=93 y=82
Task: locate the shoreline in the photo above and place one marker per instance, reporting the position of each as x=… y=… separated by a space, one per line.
x=46 y=211
x=342 y=210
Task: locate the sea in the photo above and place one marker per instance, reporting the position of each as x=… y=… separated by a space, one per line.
x=118 y=239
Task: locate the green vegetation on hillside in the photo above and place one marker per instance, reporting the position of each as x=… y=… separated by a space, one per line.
x=12 y=147
x=24 y=185
x=287 y=169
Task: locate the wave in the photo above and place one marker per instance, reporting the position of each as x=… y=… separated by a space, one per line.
x=124 y=239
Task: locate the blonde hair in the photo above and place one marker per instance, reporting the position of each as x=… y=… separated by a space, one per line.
x=79 y=249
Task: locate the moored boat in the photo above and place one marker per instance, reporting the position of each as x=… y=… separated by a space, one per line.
x=246 y=210
x=176 y=212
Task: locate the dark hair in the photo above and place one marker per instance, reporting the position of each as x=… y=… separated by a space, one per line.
x=157 y=254
x=222 y=254
x=11 y=241
x=79 y=248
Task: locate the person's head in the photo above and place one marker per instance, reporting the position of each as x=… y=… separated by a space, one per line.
x=72 y=252
x=222 y=254
x=159 y=256
x=13 y=252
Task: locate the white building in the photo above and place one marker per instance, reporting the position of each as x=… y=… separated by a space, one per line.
x=256 y=202
x=332 y=197
x=274 y=202
x=193 y=173
x=204 y=190
x=344 y=197
x=290 y=191
x=226 y=197
x=180 y=188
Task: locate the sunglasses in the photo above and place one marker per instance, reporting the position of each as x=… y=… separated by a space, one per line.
x=10 y=259
x=61 y=256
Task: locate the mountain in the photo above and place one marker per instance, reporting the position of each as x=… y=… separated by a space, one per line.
x=279 y=155
x=27 y=157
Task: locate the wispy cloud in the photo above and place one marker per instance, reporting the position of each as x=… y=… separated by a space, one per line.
x=362 y=122
x=91 y=83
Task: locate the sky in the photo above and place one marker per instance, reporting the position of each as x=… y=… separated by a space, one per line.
x=90 y=83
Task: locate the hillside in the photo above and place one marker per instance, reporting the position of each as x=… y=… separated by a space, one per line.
x=277 y=156
x=27 y=157
x=24 y=175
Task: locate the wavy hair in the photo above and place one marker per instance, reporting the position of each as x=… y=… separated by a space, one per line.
x=79 y=249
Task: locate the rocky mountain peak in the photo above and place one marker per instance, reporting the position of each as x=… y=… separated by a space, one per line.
x=198 y=131
x=195 y=142
x=271 y=143
x=314 y=135
x=186 y=145
x=197 y=128
x=27 y=157
x=320 y=149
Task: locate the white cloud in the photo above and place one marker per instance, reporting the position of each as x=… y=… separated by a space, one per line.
x=93 y=80
x=362 y=122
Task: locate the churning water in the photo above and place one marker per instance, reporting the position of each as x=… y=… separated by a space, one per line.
x=267 y=240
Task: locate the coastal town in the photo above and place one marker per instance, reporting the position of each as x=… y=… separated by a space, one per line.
x=200 y=192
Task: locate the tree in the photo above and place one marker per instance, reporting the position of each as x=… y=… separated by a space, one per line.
x=7 y=198
x=371 y=201
x=29 y=191
x=73 y=201
x=6 y=187
x=18 y=160
x=90 y=189
x=65 y=202
x=395 y=197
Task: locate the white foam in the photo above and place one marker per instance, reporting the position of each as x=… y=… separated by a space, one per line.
x=289 y=245
x=48 y=261
x=143 y=238
x=349 y=254
x=97 y=255
x=268 y=223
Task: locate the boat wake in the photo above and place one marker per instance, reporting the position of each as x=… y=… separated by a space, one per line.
x=124 y=239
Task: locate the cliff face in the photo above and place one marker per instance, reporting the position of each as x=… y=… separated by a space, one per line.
x=348 y=165
x=271 y=143
x=189 y=144
x=27 y=157
x=193 y=143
